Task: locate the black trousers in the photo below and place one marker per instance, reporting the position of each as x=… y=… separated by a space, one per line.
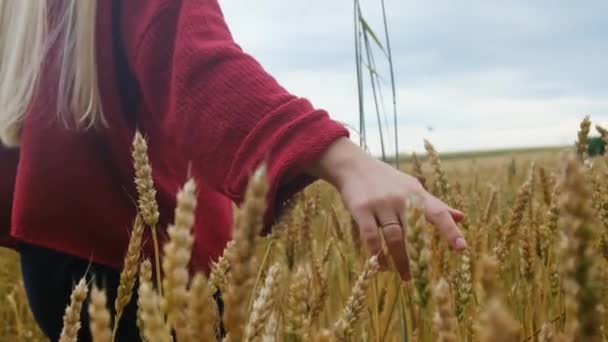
x=49 y=278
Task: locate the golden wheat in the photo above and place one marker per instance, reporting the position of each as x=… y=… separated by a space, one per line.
x=71 y=318
x=129 y=271
x=144 y=183
x=535 y=270
x=248 y=226
x=202 y=311
x=177 y=252
x=99 y=316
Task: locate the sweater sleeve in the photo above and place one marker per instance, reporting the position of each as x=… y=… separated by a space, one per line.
x=210 y=102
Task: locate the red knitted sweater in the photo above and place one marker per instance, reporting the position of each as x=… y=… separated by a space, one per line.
x=171 y=69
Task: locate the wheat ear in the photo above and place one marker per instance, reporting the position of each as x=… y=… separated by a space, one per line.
x=99 y=316
x=219 y=269
x=154 y=327
x=546 y=333
x=145 y=276
x=545 y=182
x=129 y=272
x=444 y=319
x=248 y=225
x=441 y=181
x=517 y=215
x=263 y=305
x=577 y=254
x=417 y=170
x=203 y=313
x=296 y=314
x=418 y=250
x=148 y=207
x=272 y=326
x=464 y=287
x=177 y=252
x=322 y=288
x=354 y=308
x=582 y=144
x=71 y=317
x=498 y=325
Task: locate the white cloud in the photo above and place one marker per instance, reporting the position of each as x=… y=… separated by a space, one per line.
x=483 y=75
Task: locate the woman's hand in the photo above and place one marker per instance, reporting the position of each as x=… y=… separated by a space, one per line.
x=376 y=195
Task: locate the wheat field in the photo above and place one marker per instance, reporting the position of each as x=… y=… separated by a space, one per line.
x=536 y=267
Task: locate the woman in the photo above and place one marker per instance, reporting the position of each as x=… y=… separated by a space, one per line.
x=77 y=78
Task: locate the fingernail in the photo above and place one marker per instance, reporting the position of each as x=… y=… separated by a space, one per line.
x=461 y=243
x=458 y=212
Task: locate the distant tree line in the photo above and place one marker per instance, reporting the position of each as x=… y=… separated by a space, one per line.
x=596 y=147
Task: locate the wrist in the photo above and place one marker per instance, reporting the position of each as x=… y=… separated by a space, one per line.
x=339 y=160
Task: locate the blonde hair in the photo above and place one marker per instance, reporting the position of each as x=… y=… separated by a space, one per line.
x=26 y=36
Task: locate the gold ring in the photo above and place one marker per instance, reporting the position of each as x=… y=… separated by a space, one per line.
x=390 y=223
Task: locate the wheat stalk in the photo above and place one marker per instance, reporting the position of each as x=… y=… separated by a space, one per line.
x=488 y=211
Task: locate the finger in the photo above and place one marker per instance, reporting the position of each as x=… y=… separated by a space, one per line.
x=439 y=215
x=392 y=232
x=370 y=235
x=456 y=214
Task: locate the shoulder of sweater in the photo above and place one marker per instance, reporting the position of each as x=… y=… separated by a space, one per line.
x=139 y=16
x=143 y=18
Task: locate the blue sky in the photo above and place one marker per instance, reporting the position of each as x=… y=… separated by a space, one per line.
x=483 y=74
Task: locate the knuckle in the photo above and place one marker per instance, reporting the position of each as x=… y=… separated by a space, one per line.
x=435 y=212
x=373 y=243
x=398 y=200
x=362 y=206
x=367 y=230
x=381 y=201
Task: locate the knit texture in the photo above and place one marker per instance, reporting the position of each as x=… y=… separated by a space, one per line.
x=207 y=109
